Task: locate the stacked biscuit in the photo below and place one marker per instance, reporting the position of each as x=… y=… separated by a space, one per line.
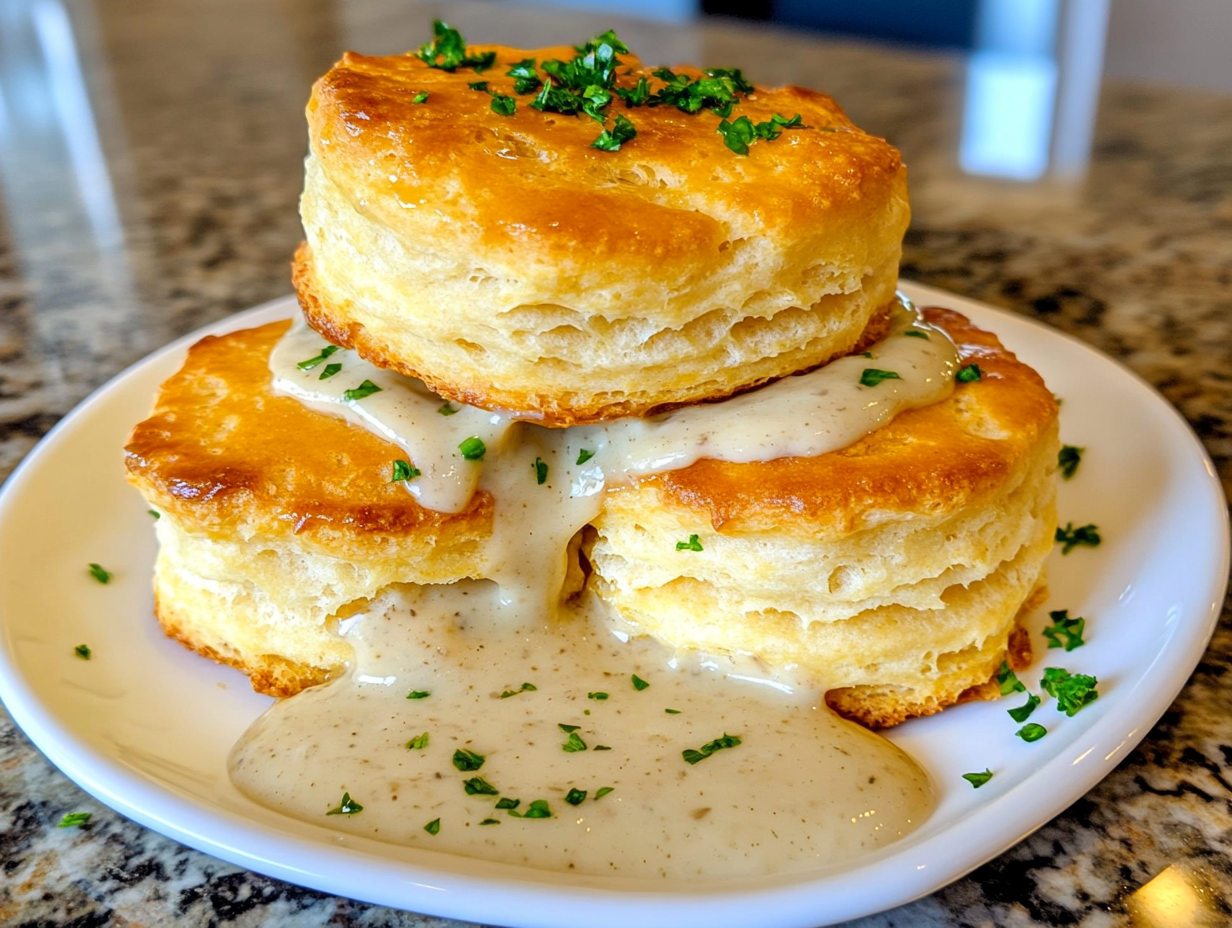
x=509 y=265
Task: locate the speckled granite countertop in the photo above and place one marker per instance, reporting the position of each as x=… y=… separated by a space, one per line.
x=189 y=215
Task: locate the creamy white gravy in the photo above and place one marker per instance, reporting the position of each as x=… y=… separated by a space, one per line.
x=802 y=789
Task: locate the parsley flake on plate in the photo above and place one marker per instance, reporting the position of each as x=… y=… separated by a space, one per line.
x=467 y=760
x=74 y=819
x=540 y=468
x=348 y=806
x=597 y=696
x=1070 y=537
x=872 y=376
x=524 y=688
x=433 y=827
x=1009 y=680
x=603 y=791
x=1068 y=459
x=418 y=694
x=1023 y=712
x=978 y=779
x=506 y=803
x=313 y=362
x=404 y=471
x=638 y=682
x=418 y=743
x=99 y=573
x=473 y=448
x=726 y=741
x=367 y=388
x=573 y=744
x=917 y=333
x=969 y=373
x=1031 y=732
x=83 y=651
x=575 y=797
x=1065 y=632
x=1071 y=691
x=584 y=455
x=478 y=786
x=330 y=370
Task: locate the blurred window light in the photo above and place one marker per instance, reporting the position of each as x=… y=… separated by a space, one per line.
x=1032 y=88
x=671 y=11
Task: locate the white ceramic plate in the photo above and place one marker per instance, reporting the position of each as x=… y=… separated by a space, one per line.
x=145 y=726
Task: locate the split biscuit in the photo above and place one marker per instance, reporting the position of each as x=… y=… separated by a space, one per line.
x=277 y=521
x=509 y=265
x=893 y=571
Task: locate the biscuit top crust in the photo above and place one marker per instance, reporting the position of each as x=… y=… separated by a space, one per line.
x=225 y=455
x=528 y=188
x=932 y=461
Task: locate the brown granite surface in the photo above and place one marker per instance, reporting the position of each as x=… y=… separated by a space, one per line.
x=197 y=107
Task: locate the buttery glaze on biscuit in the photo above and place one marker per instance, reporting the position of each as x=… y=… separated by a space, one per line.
x=509 y=265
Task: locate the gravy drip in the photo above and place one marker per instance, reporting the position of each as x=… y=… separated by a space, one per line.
x=803 y=789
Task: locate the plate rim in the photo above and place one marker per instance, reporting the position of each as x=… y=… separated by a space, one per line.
x=544 y=899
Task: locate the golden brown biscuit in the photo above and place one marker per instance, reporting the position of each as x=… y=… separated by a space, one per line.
x=277 y=520
x=892 y=571
x=509 y=265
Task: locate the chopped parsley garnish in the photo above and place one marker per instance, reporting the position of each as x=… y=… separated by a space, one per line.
x=99 y=573
x=1023 y=712
x=692 y=757
x=507 y=803
x=478 y=85
x=421 y=97
x=467 y=760
x=1031 y=732
x=418 y=743
x=1009 y=680
x=490 y=821
x=1065 y=632
x=917 y=333
x=74 y=819
x=503 y=105
x=447 y=51
x=584 y=455
x=742 y=131
x=1071 y=691
x=154 y=513
x=567 y=728
x=83 y=651
x=525 y=76
x=601 y=747
x=603 y=791
x=313 y=362
x=537 y=809
x=693 y=544
x=418 y=694
x=672 y=711
x=575 y=797
x=599 y=696
x=404 y=471
x=433 y=827
x=978 y=779
x=968 y=373
x=638 y=682
x=473 y=449
x=367 y=388
x=866 y=354
x=573 y=744
x=611 y=139
x=1070 y=537
x=348 y=806
x=541 y=471
x=330 y=370
x=1068 y=459
x=446 y=410
x=524 y=688
x=872 y=376
x=478 y=786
